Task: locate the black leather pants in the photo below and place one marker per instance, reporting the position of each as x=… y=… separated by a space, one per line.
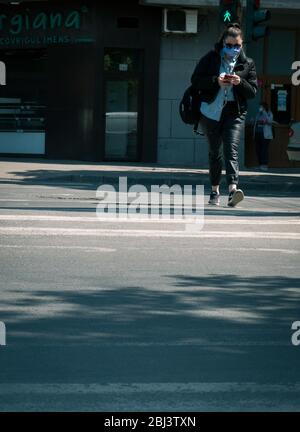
x=227 y=131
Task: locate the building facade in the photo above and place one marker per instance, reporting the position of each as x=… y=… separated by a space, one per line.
x=273 y=56
x=82 y=80
x=102 y=81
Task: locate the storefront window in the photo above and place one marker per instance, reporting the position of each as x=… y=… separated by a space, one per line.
x=23 y=102
x=121 y=60
x=17 y=115
x=122 y=115
x=121 y=119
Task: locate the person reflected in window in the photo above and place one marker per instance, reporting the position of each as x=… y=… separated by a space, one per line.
x=263 y=134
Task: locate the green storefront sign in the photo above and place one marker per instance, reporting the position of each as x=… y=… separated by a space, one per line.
x=31 y=27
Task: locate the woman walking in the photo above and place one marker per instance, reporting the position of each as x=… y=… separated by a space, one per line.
x=226 y=78
x=263 y=134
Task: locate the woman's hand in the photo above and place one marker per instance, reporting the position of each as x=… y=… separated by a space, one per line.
x=235 y=80
x=222 y=82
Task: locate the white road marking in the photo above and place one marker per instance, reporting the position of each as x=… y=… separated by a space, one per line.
x=102 y=249
x=286 y=251
x=15 y=199
x=90 y=248
x=131 y=388
x=53 y=200
x=46 y=231
x=207 y=220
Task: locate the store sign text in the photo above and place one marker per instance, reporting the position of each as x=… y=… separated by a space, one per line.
x=2 y=334
x=21 y=23
x=296 y=75
x=296 y=334
x=2 y=73
x=32 y=28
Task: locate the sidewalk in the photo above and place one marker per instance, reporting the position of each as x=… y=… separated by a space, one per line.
x=43 y=171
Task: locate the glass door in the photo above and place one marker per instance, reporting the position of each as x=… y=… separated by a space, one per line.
x=122 y=113
x=280 y=95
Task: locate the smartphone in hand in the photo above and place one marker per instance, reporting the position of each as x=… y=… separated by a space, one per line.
x=228 y=77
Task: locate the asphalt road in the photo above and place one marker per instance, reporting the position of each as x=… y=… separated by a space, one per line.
x=123 y=316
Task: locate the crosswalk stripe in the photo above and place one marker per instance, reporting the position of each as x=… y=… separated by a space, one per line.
x=47 y=231
x=92 y=248
x=207 y=220
x=102 y=249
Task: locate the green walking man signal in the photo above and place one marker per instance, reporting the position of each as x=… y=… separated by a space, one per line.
x=230 y=11
x=227 y=16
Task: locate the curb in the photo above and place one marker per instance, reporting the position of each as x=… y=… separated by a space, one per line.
x=147 y=180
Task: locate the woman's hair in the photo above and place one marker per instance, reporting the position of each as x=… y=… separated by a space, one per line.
x=233 y=30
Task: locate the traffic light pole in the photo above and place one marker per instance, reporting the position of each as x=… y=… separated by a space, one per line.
x=256 y=19
x=249 y=21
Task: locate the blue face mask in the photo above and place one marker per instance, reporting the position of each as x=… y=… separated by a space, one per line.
x=232 y=53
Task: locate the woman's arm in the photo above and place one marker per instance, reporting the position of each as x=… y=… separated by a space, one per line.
x=200 y=80
x=248 y=86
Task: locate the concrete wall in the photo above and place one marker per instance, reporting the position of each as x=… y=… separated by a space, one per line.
x=177 y=144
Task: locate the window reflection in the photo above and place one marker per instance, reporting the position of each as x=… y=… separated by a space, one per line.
x=121 y=119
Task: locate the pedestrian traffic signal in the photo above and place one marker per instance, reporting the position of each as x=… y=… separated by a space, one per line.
x=230 y=11
x=255 y=17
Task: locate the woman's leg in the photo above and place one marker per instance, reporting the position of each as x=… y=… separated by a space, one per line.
x=232 y=126
x=211 y=129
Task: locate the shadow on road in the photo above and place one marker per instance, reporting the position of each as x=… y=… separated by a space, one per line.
x=271 y=183
x=201 y=310
x=196 y=329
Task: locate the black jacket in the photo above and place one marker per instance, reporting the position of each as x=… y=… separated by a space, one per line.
x=205 y=78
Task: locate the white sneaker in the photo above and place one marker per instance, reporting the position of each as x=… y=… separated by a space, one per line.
x=235 y=196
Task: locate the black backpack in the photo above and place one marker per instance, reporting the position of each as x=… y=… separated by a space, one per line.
x=189 y=108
